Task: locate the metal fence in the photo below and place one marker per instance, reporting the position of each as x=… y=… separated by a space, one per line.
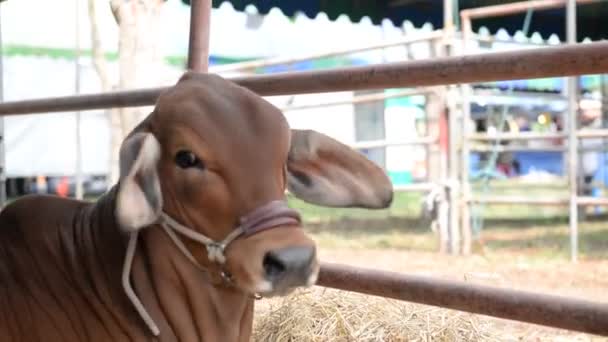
x=569 y=60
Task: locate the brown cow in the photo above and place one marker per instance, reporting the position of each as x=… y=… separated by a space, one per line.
x=197 y=224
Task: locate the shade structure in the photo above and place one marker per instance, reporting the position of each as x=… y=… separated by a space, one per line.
x=591 y=17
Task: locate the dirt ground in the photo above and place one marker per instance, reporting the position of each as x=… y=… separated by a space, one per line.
x=588 y=279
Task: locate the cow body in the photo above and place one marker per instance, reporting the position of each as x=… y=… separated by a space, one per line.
x=60 y=271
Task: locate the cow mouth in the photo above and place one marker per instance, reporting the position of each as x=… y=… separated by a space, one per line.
x=267 y=289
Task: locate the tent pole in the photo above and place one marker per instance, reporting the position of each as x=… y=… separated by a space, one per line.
x=200 y=24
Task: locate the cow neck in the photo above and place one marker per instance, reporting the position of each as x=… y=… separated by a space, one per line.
x=192 y=307
x=181 y=299
x=94 y=249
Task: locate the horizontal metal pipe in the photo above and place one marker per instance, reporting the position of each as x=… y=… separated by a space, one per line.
x=414 y=187
x=544 y=201
x=516 y=7
x=585 y=200
x=493 y=39
x=555 y=61
x=558 y=184
x=510 y=200
x=117 y=99
x=592 y=133
x=409 y=39
x=565 y=60
x=387 y=143
x=361 y=99
x=515 y=148
x=559 y=312
x=516 y=136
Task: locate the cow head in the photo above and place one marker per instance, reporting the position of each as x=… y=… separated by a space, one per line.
x=213 y=152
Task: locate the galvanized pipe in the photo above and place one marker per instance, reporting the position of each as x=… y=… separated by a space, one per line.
x=361 y=99
x=516 y=136
x=512 y=199
x=415 y=187
x=428 y=140
x=592 y=201
x=592 y=133
x=198 y=45
x=545 y=201
x=512 y=148
x=531 y=63
x=559 y=312
x=116 y=99
x=243 y=66
x=516 y=7
x=571 y=127
x=465 y=186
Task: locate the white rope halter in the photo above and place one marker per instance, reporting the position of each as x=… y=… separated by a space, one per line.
x=271 y=215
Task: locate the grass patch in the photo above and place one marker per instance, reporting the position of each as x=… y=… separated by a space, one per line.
x=538 y=232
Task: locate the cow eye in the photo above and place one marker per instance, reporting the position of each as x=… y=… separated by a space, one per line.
x=187 y=159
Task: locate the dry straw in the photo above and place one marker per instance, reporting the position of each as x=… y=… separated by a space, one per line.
x=329 y=315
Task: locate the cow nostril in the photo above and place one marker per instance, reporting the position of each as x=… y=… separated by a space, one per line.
x=291 y=265
x=273 y=266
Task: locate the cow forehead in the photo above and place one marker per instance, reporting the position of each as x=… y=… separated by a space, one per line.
x=221 y=110
x=204 y=101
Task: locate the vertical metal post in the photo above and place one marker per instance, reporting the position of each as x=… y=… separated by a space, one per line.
x=454 y=212
x=464 y=149
x=572 y=139
x=79 y=186
x=448 y=14
x=436 y=104
x=200 y=25
x=2 y=140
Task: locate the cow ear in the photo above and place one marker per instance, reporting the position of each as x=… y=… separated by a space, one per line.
x=323 y=171
x=139 y=200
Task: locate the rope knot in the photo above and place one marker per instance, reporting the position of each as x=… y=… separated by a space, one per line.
x=215 y=252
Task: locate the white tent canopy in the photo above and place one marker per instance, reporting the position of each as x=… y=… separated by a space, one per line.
x=45 y=144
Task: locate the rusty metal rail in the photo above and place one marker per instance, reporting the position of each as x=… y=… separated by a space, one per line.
x=552 y=311
x=576 y=59
x=198 y=43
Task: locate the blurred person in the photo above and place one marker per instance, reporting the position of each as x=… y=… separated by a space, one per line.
x=590 y=118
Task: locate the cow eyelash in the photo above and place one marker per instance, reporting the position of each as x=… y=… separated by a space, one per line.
x=186 y=159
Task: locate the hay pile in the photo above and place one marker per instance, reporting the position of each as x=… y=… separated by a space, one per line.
x=329 y=315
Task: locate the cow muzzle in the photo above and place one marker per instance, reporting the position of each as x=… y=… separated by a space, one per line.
x=290 y=267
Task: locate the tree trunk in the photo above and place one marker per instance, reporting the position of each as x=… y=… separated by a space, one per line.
x=101 y=67
x=139 y=58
